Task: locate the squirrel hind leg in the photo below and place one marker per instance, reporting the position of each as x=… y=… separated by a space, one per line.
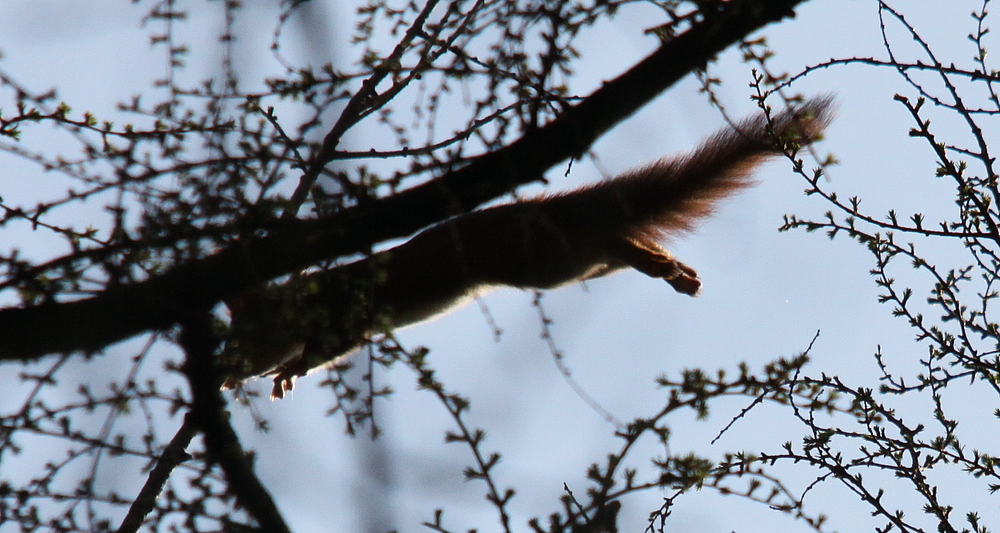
x=656 y=262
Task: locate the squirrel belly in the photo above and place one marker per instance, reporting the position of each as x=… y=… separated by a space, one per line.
x=539 y=243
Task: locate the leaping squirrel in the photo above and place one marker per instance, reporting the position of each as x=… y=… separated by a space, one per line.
x=539 y=243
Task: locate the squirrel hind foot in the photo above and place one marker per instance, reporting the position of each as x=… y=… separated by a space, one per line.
x=686 y=283
x=654 y=261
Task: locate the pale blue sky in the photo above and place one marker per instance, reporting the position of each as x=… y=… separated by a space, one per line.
x=765 y=294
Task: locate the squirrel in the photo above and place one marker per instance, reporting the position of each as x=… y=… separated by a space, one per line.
x=539 y=243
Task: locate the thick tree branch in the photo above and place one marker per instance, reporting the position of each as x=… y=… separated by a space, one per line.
x=209 y=415
x=158 y=303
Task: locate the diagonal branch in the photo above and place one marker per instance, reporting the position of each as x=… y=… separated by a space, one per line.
x=173 y=455
x=158 y=303
x=208 y=414
x=354 y=111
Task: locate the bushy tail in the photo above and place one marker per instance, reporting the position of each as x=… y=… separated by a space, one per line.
x=672 y=194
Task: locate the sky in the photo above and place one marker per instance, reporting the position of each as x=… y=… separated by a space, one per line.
x=766 y=294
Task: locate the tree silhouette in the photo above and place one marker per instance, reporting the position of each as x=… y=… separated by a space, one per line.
x=212 y=189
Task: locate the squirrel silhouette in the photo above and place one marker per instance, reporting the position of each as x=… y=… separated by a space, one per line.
x=539 y=243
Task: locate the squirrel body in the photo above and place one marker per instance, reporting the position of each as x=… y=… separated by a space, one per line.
x=539 y=243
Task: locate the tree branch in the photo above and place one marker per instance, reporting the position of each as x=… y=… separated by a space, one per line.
x=209 y=415
x=173 y=455
x=159 y=302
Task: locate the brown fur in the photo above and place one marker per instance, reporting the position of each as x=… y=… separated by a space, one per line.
x=540 y=243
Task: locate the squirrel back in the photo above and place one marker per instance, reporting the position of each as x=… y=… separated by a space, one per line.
x=538 y=243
